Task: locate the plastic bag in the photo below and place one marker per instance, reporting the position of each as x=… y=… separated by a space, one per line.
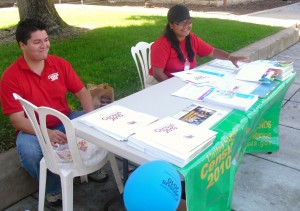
x=87 y=151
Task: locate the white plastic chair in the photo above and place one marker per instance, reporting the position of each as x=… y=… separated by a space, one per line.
x=68 y=170
x=141 y=56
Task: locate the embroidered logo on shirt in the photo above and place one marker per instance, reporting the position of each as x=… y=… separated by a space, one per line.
x=53 y=76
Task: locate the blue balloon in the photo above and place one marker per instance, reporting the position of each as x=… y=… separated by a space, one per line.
x=153 y=186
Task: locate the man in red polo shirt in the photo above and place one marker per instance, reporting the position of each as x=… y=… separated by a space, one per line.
x=43 y=80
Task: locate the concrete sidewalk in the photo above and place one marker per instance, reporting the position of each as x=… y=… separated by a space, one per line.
x=263 y=181
x=272 y=181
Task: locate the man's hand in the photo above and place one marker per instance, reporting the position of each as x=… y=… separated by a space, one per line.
x=57 y=137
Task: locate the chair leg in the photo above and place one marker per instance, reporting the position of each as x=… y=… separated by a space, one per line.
x=84 y=178
x=42 y=185
x=116 y=172
x=67 y=191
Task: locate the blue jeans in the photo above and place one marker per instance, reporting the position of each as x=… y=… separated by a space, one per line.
x=30 y=155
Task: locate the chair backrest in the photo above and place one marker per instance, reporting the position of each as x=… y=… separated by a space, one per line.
x=141 y=56
x=38 y=122
x=0 y=91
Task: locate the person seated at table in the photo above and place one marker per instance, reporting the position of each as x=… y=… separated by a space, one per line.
x=177 y=48
x=44 y=80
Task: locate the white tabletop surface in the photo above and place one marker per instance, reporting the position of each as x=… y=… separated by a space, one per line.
x=155 y=100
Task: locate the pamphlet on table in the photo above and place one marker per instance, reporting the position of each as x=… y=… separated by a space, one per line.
x=222 y=86
x=173 y=140
x=264 y=89
x=234 y=100
x=265 y=71
x=225 y=65
x=199 y=77
x=193 y=92
x=201 y=115
x=117 y=121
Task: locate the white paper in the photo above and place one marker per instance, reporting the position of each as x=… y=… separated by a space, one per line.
x=237 y=100
x=173 y=137
x=193 y=92
x=117 y=121
x=196 y=77
x=226 y=64
x=202 y=116
x=255 y=71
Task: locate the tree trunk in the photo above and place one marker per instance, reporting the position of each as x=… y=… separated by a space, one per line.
x=45 y=11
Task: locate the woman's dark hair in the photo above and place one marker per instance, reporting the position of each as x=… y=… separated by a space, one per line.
x=26 y=27
x=170 y=35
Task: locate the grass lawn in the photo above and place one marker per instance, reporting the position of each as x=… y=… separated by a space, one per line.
x=102 y=55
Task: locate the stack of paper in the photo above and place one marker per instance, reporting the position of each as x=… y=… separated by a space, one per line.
x=172 y=140
x=265 y=71
x=117 y=121
x=286 y=69
x=193 y=92
x=236 y=100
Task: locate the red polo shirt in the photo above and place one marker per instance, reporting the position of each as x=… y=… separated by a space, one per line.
x=49 y=89
x=165 y=57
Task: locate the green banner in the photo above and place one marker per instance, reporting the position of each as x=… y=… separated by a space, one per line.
x=209 y=177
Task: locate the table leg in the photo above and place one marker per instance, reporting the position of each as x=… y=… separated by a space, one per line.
x=120 y=196
x=125 y=170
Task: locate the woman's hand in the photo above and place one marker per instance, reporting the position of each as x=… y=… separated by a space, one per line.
x=236 y=59
x=220 y=54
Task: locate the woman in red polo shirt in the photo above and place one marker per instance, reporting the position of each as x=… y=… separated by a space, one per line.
x=177 y=48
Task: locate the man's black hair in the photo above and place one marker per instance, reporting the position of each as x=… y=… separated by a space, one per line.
x=26 y=27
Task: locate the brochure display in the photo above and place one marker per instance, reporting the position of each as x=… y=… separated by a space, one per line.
x=265 y=71
x=172 y=140
x=117 y=121
x=196 y=114
x=201 y=115
x=256 y=130
x=210 y=173
x=236 y=100
x=193 y=92
x=237 y=91
x=263 y=90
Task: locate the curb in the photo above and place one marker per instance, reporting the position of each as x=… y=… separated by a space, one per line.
x=270 y=46
x=15 y=182
x=272 y=10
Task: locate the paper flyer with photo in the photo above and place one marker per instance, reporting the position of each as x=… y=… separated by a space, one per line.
x=205 y=116
x=195 y=114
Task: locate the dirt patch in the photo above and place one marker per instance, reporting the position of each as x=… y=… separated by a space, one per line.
x=8 y=35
